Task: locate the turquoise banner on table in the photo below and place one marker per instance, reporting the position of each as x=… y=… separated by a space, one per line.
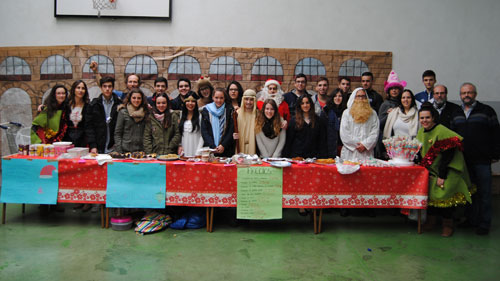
x=26 y=181
x=260 y=193
x=132 y=185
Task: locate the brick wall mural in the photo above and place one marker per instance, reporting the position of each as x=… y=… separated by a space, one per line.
x=32 y=71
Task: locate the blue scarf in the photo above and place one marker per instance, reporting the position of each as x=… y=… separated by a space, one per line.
x=217 y=120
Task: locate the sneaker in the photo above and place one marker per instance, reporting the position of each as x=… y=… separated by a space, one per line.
x=482 y=231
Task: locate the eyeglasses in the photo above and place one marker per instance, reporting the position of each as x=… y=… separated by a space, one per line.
x=361 y=97
x=233 y=90
x=467 y=93
x=300 y=82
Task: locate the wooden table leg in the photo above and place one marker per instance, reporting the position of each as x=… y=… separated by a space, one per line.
x=208 y=219
x=211 y=218
x=102 y=216
x=24 y=208
x=107 y=217
x=315 y=223
x=4 y=209
x=419 y=221
x=320 y=218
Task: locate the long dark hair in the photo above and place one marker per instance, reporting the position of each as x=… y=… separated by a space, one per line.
x=299 y=114
x=261 y=118
x=240 y=92
x=71 y=97
x=51 y=101
x=330 y=104
x=195 y=120
x=167 y=115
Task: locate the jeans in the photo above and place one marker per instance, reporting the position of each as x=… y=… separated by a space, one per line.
x=479 y=213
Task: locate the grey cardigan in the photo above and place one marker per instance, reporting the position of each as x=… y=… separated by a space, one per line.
x=270 y=147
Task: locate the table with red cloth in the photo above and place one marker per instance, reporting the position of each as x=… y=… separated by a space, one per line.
x=215 y=185
x=304 y=186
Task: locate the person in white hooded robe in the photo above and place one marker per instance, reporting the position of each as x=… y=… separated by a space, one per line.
x=359 y=128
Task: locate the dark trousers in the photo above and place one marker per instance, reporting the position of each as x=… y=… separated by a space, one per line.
x=479 y=213
x=445 y=213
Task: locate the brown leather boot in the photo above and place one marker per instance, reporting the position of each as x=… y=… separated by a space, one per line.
x=447 y=228
x=430 y=223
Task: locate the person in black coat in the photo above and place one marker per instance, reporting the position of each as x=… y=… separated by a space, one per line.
x=303 y=133
x=78 y=105
x=330 y=129
x=217 y=126
x=100 y=119
x=445 y=108
x=183 y=87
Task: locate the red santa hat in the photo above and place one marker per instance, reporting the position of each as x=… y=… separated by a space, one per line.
x=46 y=172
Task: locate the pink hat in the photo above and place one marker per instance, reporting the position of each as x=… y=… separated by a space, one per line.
x=393 y=81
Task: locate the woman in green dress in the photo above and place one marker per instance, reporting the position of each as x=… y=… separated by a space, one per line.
x=50 y=125
x=448 y=178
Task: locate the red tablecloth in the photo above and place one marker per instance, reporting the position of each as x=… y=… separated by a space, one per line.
x=82 y=181
x=214 y=185
x=308 y=186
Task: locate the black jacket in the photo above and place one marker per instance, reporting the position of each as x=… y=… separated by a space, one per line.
x=95 y=123
x=481 y=133
x=76 y=135
x=447 y=114
x=304 y=142
x=226 y=140
x=329 y=132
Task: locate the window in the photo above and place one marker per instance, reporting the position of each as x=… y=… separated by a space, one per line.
x=225 y=68
x=311 y=67
x=106 y=67
x=184 y=66
x=15 y=69
x=353 y=69
x=144 y=66
x=56 y=67
x=267 y=68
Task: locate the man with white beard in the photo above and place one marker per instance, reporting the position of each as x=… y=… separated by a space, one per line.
x=359 y=128
x=272 y=90
x=443 y=106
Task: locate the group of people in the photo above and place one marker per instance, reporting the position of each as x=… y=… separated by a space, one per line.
x=272 y=123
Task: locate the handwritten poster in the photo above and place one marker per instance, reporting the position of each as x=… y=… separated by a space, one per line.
x=260 y=193
x=33 y=181
x=133 y=185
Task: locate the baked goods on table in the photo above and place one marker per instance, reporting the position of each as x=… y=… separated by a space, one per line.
x=325 y=161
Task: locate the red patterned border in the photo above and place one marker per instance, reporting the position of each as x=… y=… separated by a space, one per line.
x=304 y=201
x=201 y=199
x=81 y=196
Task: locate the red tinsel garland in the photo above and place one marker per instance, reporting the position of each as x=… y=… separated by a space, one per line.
x=438 y=147
x=60 y=134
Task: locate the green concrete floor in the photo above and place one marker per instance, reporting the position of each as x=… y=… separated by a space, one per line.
x=72 y=246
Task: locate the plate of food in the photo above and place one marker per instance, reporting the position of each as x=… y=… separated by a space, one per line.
x=325 y=161
x=280 y=164
x=118 y=155
x=168 y=157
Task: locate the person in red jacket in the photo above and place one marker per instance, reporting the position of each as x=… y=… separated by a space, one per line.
x=272 y=90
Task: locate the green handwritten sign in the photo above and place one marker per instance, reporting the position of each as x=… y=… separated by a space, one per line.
x=260 y=193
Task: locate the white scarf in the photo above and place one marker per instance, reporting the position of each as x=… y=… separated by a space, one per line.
x=411 y=118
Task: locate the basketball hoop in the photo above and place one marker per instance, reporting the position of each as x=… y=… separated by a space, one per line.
x=100 y=5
